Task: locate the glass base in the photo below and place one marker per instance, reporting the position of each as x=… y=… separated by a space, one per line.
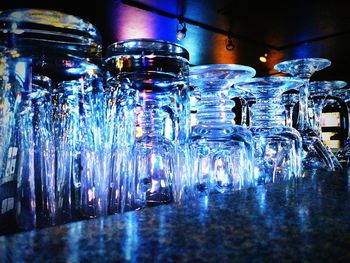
x=277 y=154
x=316 y=154
x=343 y=155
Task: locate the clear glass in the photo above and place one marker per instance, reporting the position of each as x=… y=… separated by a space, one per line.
x=289 y=99
x=343 y=154
x=315 y=154
x=277 y=146
x=17 y=196
x=152 y=77
x=222 y=151
x=319 y=90
x=66 y=51
x=44 y=150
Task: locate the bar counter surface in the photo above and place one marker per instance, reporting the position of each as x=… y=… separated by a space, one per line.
x=304 y=220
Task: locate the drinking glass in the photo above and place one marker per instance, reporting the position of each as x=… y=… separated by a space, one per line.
x=277 y=146
x=151 y=160
x=343 y=154
x=44 y=150
x=319 y=90
x=67 y=50
x=289 y=99
x=222 y=151
x=315 y=154
x=17 y=197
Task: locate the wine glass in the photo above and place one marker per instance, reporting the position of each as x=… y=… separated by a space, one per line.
x=222 y=151
x=316 y=154
x=277 y=146
x=289 y=99
x=319 y=90
x=343 y=154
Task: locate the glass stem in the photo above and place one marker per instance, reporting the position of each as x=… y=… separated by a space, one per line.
x=244 y=121
x=303 y=120
x=318 y=112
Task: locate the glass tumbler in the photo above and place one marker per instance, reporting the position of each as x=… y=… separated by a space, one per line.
x=150 y=77
x=17 y=197
x=68 y=109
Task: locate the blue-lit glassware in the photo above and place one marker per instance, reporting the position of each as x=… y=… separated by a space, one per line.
x=247 y=100
x=151 y=77
x=222 y=152
x=277 y=146
x=17 y=196
x=44 y=150
x=67 y=50
x=315 y=154
x=319 y=90
x=289 y=99
x=343 y=154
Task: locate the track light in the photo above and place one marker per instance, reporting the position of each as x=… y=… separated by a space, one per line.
x=263 y=58
x=229 y=43
x=181 y=30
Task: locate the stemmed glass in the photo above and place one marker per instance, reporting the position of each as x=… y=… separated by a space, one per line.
x=319 y=90
x=343 y=154
x=222 y=151
x=277 y=146
x=316 y=154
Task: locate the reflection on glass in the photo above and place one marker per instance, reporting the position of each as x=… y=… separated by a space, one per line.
x=222 y=151
x=315 y=155
x=277 y=147
x=152 y=78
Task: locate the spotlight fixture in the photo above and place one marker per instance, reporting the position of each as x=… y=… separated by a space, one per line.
x=181 y=30
x=229 y=43
x=263 y=58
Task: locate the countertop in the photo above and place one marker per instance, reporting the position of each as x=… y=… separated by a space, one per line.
x=303 y=220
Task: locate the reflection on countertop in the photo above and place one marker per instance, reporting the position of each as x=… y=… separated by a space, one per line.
x=296 y=221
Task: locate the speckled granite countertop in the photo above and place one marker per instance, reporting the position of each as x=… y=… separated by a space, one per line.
x=307 y=220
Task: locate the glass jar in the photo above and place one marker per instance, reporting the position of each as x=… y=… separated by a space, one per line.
x=150 y=81
x=63 y=53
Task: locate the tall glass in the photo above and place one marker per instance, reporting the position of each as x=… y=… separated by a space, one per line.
x=66 y=50
x=222 y=151
x=277 y=146
x=315 y=154
x=17 y=196
x=151 y=159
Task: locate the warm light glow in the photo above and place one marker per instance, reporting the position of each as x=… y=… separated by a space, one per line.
x=263 y=59
x=181 y=31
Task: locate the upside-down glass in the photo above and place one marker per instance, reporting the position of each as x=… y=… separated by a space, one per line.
x=222 y=152
x=343 y=154
x=17 y=197
x=319 y=90
x=289 y=99
x=315 y=154
x=66 y=50
x=152 y=78
x=277 y=146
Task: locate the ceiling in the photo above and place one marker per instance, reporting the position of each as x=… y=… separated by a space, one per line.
x=282 y=29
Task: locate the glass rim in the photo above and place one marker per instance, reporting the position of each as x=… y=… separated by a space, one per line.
x=195 y=70
x=269 y=82
x=49 y=17
x=146 y=46
x=280 y=66
x=337 y=84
